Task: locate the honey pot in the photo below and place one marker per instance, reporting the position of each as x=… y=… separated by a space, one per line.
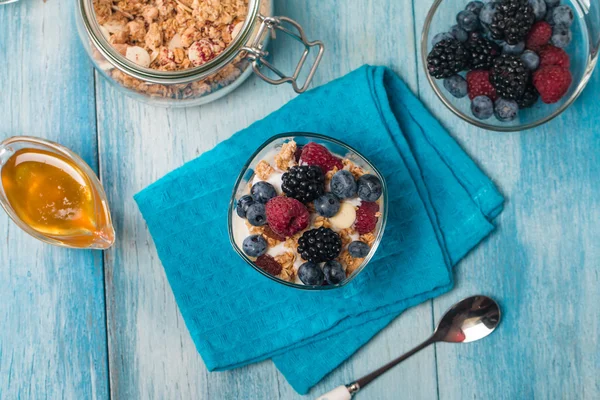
x=52 y=194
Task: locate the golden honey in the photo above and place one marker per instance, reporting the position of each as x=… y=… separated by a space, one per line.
x=53 y=196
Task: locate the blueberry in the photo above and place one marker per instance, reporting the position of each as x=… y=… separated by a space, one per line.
x=456 y=85
x=310 y=274
x=327 y=205
x=482 y=107
x=467 y=20
x=506 y=110
x=242 y=205
x=343 y=185
x=334 y=272
x=563 y=15
x=474 y=6
x=486 y=15
x=539 y=9
x=561 y=36
x=359 y=249
x=441 y=36
x=549 y=15
x=531 y=60
x=552 y=3
x=255 y=246
x=459 y=33
x=256 y=214
x=262 y=192
x=369 y=188
x=515 y=49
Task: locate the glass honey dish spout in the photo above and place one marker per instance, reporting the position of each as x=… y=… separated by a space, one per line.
x=53 y=195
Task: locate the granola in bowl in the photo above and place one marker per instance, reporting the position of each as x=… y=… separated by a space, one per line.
x=308 y=216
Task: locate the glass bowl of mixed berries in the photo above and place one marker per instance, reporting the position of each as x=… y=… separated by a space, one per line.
x=510 y=65
x=308 y=211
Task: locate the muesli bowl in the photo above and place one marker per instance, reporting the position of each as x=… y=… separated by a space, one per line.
x=285 y=249
x=582 y=51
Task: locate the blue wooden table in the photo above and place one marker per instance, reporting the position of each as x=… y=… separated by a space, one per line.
x=92 y=325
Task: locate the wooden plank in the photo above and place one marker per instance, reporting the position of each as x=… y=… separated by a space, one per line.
x=151 y=353
x=543 y=264
x=53 y=335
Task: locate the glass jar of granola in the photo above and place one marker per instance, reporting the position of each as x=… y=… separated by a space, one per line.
x=180 y=53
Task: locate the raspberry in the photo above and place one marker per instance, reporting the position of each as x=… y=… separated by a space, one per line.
x=268 y=264
x=315 y=154
x=479 y=84
x=552 y=82
x=539 y=35
x=286 y=216
x=365 y=217
x=550 y=55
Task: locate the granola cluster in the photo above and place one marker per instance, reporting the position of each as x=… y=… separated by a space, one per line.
x=172 y=35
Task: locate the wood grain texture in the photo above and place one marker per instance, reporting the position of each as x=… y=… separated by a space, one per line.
x=52 y=314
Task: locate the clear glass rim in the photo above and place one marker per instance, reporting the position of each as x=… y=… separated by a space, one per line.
x=233 y=201
x=92 y=28
x=80 y=163
x=591 y=65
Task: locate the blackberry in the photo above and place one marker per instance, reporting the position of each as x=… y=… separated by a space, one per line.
x=482 y=52
x=512 y=21
x=530 y=97
x=319 y=245
x=509 y=76
x=304 y=183
x=447 y=58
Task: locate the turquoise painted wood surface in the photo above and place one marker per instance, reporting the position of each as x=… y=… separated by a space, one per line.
x=83 y=325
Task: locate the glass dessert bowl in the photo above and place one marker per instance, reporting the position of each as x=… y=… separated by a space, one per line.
x=303 y=227
x=582 y=52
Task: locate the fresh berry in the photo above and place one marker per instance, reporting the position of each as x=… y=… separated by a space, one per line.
x=479 y=84
x=530 y=97
x=319 y=245
x=327 y=205
x=334 y=272
x=459 y=33
x=262 y=192
x=304 y=183
x=551 y=55
x=474 y=6
x=552 y=3
x=254 y=246
x=563 y=15
x=512 y=21
x=343 y=184
x=242 y=205
x=441 y=36
x=298 y=153
x=270 y=233
x=514 y=49
x=369 y=188
x=482 y=52
x=447 y=58
x=539 y=8
x=456 y=85
x=552 y=82
x=482 y=107
x=561 y=36
x=268 y=264
x=468 y=20
x=315 y=154
x=486 y=15
x=506 y=110
x=358 y=249
x=310 y=274
x=287 y=216
x=366 y=218
x=256 y=214
x=509 y=76
x=549 y=14
x=539 y=35
x=531 y=60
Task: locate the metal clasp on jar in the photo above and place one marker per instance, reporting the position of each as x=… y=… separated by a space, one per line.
x=256 y=52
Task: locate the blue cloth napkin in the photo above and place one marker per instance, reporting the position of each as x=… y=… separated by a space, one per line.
x=440 y=207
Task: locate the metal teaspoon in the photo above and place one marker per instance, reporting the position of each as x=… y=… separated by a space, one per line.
x=469 y=320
